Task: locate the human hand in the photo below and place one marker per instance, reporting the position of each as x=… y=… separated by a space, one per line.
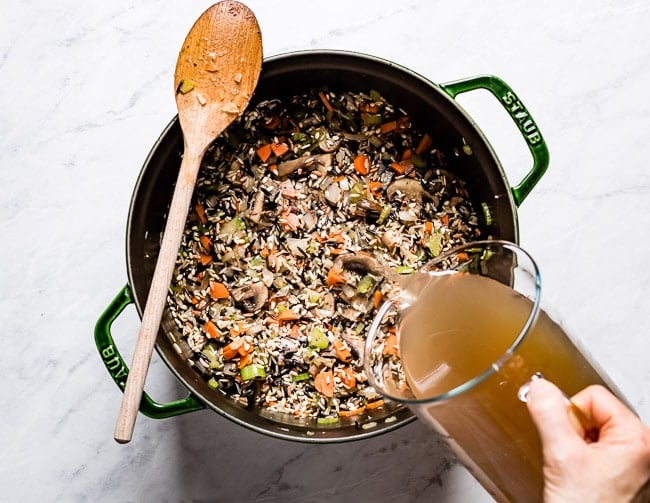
x=613 y=468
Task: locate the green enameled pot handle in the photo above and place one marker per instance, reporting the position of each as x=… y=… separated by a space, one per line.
x=524 y=121
x=118 y=369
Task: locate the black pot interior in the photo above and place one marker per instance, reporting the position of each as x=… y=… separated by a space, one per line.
x=283 y=76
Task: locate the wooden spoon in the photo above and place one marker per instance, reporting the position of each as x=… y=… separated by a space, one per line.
x=216 y=73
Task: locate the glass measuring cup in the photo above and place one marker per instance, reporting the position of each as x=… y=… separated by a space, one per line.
x=470 y=334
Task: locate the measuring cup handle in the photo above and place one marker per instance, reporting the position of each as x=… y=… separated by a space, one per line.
x=118 y=369
x=523 y=120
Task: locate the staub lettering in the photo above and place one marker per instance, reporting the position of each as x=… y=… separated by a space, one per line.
x=114 y=363
x=521 y=115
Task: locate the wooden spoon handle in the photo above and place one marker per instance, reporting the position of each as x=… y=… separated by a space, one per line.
x=157 y=297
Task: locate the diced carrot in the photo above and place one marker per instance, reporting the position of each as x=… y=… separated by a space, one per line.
x=229 y=351
x=362 y=164
x=370 y=108
x=245 y=347
x=273 y=168
x=403 y=167
x=390 y=345
x=218 y=290
x=346 y=374
x=212 y=330
x=462 y=256
x=397 y=168
x=247 y=359
x=279 y=149
x=342 y=351
x=287 y=315
x=406 y=155
x=336 y=237
x=375 y=188
x=264 y=152
x=324 y=383
x=428 y=227
x=444 y=220
x=387 y=127
x=295 y=332
x=206 y=242
x=205 y=259
x=354 y=412
x=424 y=144
x=325 y=101
x=200 y=211
x=375 y=405
x=272 y=122
x=334 y=278
x=376 y=299
x=338 y=179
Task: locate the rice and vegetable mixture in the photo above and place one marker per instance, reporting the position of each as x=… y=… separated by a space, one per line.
x=304 y=213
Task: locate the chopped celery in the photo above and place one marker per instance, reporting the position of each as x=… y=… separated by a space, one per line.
x=418 y=161
x=372 y=119
x=256 y=261
x=253 y=371
x=213 y=383
x=374 y=141
x=318 y=339
x=356 y=192
x=211 y=351
x=486 y=213
x=404 y=269
x=385 y=213
x=327 y=420
x=232 y=226
x=366 y=284
x=301 y=377
x=186 y=86
x=435 y=244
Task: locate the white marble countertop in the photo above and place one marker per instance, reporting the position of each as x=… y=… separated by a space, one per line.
x=86 y=90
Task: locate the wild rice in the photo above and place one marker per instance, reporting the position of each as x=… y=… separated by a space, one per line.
x=300 y=209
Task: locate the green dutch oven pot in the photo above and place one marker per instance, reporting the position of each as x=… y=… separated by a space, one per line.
x=431 y=106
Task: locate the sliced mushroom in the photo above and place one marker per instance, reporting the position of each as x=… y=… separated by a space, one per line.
x=410 y=187
x=321 y=163
x=349 y=313
x=356 y=343
x=391 y=239
x=329 y=144
x=361 y=303
x=251 y=297
x=328 y=306
x=414 y=193
x=370 y=208
x=360 y=263
x=258 y=207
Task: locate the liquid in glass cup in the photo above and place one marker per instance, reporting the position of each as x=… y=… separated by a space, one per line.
x=471 y=334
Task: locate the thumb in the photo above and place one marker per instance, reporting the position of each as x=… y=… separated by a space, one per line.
x=550 y=414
